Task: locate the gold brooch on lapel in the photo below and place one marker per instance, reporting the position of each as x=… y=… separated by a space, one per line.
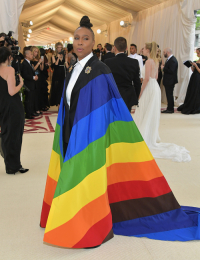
x=88 y=70
x=70 y=68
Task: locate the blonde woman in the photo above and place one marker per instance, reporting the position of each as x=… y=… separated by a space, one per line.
x=147 y=115
x=58 y=64
x=38 y=65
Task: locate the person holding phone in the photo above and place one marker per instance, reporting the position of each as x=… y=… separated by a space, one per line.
x=191 y=103
x=58 y=64
x=11 y=115
x=38 y=65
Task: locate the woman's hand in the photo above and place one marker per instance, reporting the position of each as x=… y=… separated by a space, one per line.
x=194 y=64
x=40 y=60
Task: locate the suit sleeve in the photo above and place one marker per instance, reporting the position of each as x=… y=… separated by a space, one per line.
x=25 y=73
x=170 y=69
x=136 y=80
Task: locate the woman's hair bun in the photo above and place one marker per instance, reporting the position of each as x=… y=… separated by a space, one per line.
x=85 y=22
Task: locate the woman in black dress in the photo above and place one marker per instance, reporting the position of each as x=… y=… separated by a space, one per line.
x=38 y=64
x=191 y=104
x=58 y=64
x=11 y=114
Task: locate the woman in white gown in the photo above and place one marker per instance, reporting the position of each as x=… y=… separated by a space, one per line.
x=147 y=114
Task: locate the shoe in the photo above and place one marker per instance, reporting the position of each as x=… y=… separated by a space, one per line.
x=21 y=170
x=29 y=117
x=167 y=112
x=35 y=114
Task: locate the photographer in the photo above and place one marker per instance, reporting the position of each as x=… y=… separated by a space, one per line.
x=11 y=114
x=58 y=64
x=2 y=40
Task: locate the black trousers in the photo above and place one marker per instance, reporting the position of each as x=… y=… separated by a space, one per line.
x=169 y=89
x=11 y=138
x=29 y=102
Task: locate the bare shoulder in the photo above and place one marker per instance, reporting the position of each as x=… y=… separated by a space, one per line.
x=148 y=62
x=10 y=69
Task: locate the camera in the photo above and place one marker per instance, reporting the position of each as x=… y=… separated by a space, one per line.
x=62 y=53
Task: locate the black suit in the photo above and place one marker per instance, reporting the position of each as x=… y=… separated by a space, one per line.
x=28 y=73
x=108 y=55
x=126 y=73
x=170 y=78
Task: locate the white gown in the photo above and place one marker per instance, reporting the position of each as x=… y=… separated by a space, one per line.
x=147 y=119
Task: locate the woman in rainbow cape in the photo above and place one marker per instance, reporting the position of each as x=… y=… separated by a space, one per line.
x=102 y=178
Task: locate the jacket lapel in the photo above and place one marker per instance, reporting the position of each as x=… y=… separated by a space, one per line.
x=78 y=84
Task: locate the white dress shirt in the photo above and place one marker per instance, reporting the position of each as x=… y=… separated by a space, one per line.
x=139 y=58
x=78 y=67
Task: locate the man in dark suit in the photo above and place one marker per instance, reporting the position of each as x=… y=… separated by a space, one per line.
x=126 y=73
x=28 y=74
x=109 y=54
x=170 y=78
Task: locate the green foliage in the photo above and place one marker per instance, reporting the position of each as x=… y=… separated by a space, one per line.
x=198 y=21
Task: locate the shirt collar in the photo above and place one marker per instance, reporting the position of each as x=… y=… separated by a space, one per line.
x=85 y=60
x=28 y=61
x=119 y=53
x=170 y=57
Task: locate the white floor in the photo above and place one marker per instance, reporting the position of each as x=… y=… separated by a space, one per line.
x=21 y=195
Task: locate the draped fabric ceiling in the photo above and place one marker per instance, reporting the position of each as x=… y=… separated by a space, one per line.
x=62 y=16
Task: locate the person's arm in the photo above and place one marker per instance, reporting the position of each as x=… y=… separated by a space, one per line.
x=147 y=76
x=12 y=89
x=136 y=80
x=195 y=66
x=42 y=64
x=54 y=61
x=67 y=61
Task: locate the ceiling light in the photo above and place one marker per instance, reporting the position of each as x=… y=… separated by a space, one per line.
x=71 y=39
x=31 y=23
x=28 y=35
x=27 y=39
x=124 y=24
x=99 y=31
x=29 y=30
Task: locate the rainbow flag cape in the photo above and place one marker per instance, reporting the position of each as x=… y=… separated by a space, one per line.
x=108 y=180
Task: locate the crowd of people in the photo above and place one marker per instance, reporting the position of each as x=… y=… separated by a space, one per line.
x=44 y=73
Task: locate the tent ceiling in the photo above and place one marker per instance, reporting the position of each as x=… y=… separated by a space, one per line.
x=62 y=16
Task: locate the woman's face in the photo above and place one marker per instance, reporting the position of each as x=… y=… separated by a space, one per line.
x=145 y=51
x=59 y=48
x=35 y=53
x=198 y=53
x=83 y=42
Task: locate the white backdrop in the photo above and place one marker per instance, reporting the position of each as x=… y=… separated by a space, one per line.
x=9 y=15
x=170 y=24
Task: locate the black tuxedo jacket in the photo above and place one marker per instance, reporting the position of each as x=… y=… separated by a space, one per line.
x=27 y=74
x=107 y=56
x=126 y=73
x=170 y=72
